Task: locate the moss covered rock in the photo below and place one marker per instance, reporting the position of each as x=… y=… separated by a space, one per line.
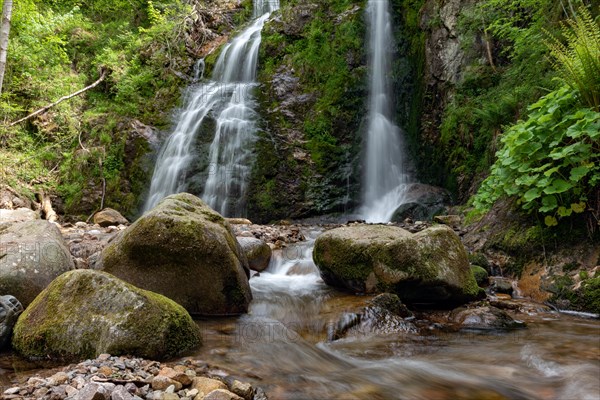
x=32 y=254
x=428 y=267
x=185 y=251
x=481 y=275
x=84 y=313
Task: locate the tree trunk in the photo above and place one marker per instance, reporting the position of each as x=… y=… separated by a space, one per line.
x=4 y=31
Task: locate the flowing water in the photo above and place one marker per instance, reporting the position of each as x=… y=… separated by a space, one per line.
x=385 y=164
x=282 y=345
x=227 y=99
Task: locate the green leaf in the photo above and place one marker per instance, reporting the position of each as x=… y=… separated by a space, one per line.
x=558 y=186
x=578 y=207
x=532 y=194
x=549 y=203
x=550 y=221
x=579 y=172
x=564 y=212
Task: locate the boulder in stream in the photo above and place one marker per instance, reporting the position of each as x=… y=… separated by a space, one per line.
x=85 y=313
x=186 y=251
x=427 y=267
x=109 y=217
x=483 y=318
x=422 y=202
x=257 y=252
x=10 y=309
x=32 y=254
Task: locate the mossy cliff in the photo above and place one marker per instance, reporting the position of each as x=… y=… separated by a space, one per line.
x=85 y=313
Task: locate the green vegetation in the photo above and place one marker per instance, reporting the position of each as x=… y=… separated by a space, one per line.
x=58 y=47
x=551 y=161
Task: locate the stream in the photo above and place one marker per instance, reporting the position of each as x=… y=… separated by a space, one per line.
x=282 y=345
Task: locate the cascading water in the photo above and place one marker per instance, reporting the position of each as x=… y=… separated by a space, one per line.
x=227 y=98
x=385 y=177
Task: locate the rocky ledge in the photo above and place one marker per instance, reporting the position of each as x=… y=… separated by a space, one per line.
x=125 y=378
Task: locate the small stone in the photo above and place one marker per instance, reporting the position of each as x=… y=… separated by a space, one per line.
x=131 y=388
x=222 y=394
x=13 y=390
x=78 y=382
x=103 y=357
x=36 y=381
x=206 y=385
x=41 y=392
x=58 y=379
x=93 y=391
x=192 y=393
x=179 y=376
x=121 y=393
x=242 y=389
x=170 y=396
x=105 y=370
x=161 y=382
x=71 y=391
x=170 y=389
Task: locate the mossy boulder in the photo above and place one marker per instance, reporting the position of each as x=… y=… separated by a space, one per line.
x=428 y=267
x=257 y=251
x=32 y=254
x=481 y=275
x=186 y=251
x=84 y=313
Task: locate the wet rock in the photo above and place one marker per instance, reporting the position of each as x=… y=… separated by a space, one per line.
x=162 y=382
x=185 y=251
x=109 y=217
x=206 y=385
x=257 y=252
x=238 y=221
x=484 y=318
x=452 y=221
x=422 y=202
x=10 y=309
x=242 y=389
x=427 y=267
x=390 y=302
x=501 y=285
x=85 y=313
x=32 y=254
x=481 y=275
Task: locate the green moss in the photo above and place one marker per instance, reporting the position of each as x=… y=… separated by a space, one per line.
x=480 y=274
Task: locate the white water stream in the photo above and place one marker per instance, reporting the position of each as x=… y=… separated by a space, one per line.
x=227 y=97
x=385 y=175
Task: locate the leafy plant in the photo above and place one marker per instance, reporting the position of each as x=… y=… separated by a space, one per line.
x=551 y=161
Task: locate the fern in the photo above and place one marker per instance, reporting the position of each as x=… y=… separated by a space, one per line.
x=578 y=61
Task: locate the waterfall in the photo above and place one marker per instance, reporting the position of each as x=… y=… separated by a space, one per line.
x=227 y=98
x=385 y=177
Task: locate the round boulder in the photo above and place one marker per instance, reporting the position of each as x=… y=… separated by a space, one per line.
x=85 y=313
x=481 y=275
x=109 y=217
x=32 y=254
x=427 y=267
x=10 y=308
x=185 y=251
x=257 y=252
x=484 y=318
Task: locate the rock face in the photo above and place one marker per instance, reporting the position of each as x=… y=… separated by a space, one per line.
x=10 y=308
x=18 y=215
x=185 y=251
x=85 y=313
x=257 y=252
x=422 y=203
x=109 y=217
x=32 y=254
x=430 y=266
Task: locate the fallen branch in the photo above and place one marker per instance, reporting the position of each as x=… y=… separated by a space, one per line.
x=77 y=93
x=47 y=209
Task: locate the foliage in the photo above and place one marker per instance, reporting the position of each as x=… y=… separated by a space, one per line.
x=578 y=62
x=551 y=161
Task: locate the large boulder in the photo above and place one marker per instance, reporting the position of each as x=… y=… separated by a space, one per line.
x=85 y=313
x=185 y=251
x=427 y=267
x=484 y=318
x=10 y=309
x=109 y=217
x=9 y=217
x=32 y=254
x=257 y=252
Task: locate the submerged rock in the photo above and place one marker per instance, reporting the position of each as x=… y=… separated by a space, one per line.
x=85 y=313
x=257 y=252
x=10 y=309
x=109 y=217
x=185 y=251
x=486 y=317
x=32 y=254
x=427 y=267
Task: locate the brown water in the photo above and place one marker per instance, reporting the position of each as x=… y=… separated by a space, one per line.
x=281 y=345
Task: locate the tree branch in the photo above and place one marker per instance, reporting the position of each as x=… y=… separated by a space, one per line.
x=77 y=93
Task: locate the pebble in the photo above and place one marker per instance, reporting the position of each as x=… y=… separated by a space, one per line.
x=123 y=378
